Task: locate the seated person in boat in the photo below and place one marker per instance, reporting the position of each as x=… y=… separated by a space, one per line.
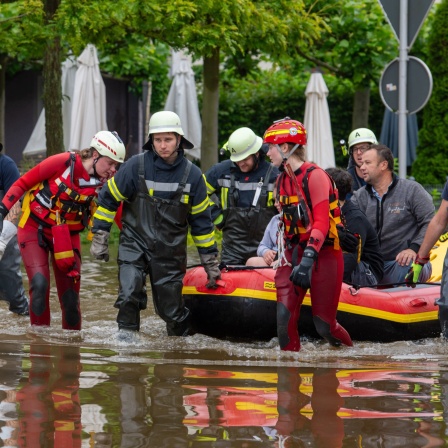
x=244 y=187
x=399 y=209
x=368 y=269
x=267 y=249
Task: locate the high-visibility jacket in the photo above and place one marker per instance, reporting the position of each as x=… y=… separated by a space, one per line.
x=57 y=190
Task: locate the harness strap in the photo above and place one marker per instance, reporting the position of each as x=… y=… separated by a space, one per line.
x=335 y=213
x=263 y=196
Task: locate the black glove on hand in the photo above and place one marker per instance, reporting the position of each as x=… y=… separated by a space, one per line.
x=3 y=212
x=301 y=274
x=100 y=245
x=211 y=267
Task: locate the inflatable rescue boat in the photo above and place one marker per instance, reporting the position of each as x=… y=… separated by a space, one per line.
x=244 y=306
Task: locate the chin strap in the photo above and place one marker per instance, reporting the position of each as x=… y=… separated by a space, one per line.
x=285 y=157
x=94 y=167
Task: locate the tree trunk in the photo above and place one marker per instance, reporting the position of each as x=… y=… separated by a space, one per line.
x=3 y=60
x=210 y=106
x=361 y=105
x=52 y=95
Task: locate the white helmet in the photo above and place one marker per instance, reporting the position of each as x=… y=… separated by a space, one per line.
x=242 y=143
x=109 y=144
x=361 y=135
x=167 y=121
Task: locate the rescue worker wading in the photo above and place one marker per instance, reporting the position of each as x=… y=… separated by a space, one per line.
x=163 y=193
x=309 y=253
x=57 y=206
x=244 y=185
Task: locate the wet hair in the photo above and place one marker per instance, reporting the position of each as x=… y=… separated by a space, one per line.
x=299 y=152
x=343 y=180
x=86 y=153
x=384 y=153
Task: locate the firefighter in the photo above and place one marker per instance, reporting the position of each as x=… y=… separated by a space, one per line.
x=244 y=186
x=163 y=194
x=59 y=195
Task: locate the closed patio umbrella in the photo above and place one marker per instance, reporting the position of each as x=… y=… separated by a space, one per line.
x=319 y=147
x=37 y=143
x=182 y=99
x=89 y=100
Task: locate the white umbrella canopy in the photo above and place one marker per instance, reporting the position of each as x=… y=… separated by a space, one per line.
x=89 y=101
x=37 y=143
x=319 y=147
x=182 y=99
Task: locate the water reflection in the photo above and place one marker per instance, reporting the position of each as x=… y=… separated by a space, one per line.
x=86 y=389
x=292 y=406
x=56 y=395
x=49 y=408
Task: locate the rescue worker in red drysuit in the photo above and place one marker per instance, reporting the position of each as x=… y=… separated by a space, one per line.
x=59 y=195
x=310 y=256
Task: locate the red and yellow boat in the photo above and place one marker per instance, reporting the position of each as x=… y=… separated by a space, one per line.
x=244 y=305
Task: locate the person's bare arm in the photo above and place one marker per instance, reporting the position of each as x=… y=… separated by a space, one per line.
x=14 y=214
x=435 y=228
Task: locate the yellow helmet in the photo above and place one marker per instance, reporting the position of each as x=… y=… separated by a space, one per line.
x=361 y=135
x=242 y=143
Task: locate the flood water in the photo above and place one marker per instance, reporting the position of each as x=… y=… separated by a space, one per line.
x=88 y=389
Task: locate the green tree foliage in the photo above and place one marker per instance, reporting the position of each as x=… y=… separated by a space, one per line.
x=30 y=39
x=206 y=28
x=431 y=166
x=17 y=46
x=357 y=45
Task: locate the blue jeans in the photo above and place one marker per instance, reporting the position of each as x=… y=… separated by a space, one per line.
x=394 y=273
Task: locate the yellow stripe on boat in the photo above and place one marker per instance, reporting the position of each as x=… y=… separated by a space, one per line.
x=343 y=307
x=385 y=315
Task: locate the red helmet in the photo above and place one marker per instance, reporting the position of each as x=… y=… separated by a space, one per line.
x=285 y=131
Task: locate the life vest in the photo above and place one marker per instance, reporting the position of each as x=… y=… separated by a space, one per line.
x=64 y=198
x=289 y=198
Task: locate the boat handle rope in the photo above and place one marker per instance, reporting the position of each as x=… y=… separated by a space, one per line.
x=354 y=289
x=225 y=267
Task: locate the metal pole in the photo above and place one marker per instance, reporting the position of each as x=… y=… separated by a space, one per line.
x=402 y=90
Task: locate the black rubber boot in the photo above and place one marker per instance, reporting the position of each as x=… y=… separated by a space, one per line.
x=128 y=317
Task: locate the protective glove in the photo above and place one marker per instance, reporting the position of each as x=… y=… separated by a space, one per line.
x=3 y=212
x=100 y=245
x=301 y=274
x=414 y=271
x=211 y=267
